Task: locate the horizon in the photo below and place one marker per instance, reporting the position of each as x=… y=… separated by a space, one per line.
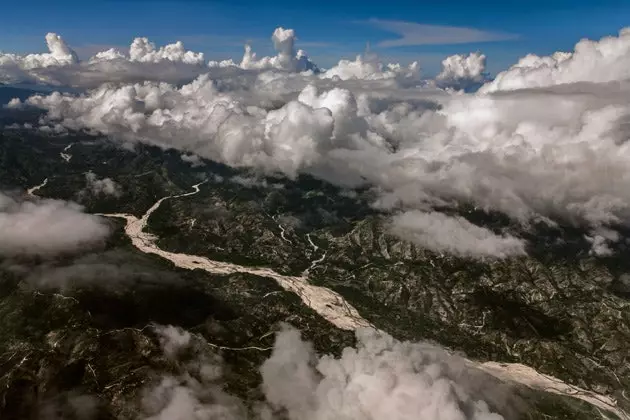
x=398 y=32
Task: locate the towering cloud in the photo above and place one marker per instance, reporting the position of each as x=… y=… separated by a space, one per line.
x=556 y=154
x=462 y=71
x=143 y=61
x=15 y=67
x=606 y=60
x=60 y=54
x=286 y=59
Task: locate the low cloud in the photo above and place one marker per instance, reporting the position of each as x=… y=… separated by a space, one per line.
x=105 y=186
x=195 y=391
x=454 y=235
x=194 y=160
x=381 y=378
x=253 y=181
x=46 y=227
x=601 y=240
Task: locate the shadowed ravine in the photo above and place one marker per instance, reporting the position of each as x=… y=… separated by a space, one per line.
x=337 y=310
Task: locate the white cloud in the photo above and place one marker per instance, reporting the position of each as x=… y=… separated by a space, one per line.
x=15 y=67
x=105 y=186
x=287 y=58
x=380 y=379
x=143 y=61
x=369 y=67
x=536 y=154
x=454 y=235
x=46 y=227
x=254 y=182
x=420 y=34
x=194 y=160
x=60 y=54
x=558 y=153
x=194 y=391
x=460 y=71
x=173 y=339
x=600 y=240
x=143 y=50
x=211 y=124
x=600 y=61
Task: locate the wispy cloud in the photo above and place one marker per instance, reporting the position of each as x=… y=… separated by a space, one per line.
x=420 y=34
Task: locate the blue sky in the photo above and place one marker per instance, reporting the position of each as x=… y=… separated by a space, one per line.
x=327 y=30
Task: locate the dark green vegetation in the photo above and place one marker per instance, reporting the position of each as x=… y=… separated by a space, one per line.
x=562 y=312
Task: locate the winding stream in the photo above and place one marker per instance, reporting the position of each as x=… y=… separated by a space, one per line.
x=66 y=156
x=31 y=191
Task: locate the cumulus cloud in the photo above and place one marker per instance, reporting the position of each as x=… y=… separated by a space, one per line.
x=59 y=54
x=15 y=67
x=194 y=392
x=105 y=186
x=507 y=153
x=192 y=158
x=287 y=58
x=600 y=241
x=173 y=63
x=210 y=123
x=456 y=235
x=254 y=182
x=606 y=60
x=381 y=378
x=143 y=61
x=143 y=50
x=461 y=71
x=46 y=227
x=369 y=67
x=556 y=154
